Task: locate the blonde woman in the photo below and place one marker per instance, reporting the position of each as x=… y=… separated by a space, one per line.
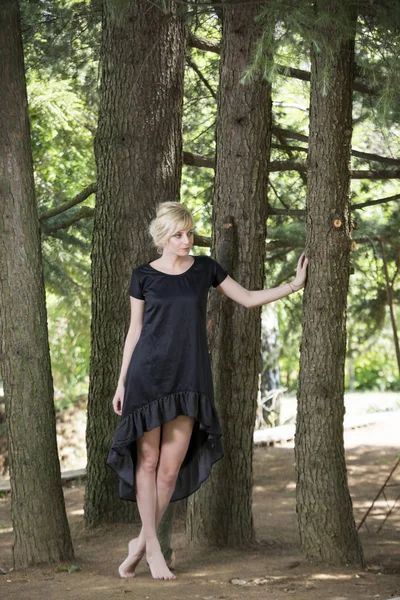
x=169 y=435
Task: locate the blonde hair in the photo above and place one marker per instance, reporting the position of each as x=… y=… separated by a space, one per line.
x=170 y=218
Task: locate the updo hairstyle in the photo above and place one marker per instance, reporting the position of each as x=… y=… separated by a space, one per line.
x=170 y=218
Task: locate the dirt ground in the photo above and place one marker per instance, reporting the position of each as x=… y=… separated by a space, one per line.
x=273 y=569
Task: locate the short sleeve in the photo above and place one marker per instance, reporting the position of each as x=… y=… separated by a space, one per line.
x=219 y=273
x=135 y=288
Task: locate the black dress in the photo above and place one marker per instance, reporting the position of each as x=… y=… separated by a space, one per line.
x=170 y=374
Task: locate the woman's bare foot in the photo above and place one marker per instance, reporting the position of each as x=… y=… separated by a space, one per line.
x=136 y=550
x=156 y=562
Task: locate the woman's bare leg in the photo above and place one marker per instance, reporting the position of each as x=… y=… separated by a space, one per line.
x=174 y=443
x=175 y=440
x=146 y=495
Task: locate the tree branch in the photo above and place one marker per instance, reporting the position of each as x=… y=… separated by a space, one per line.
x=279 y=166
x=197 y=160
x=358 y=86
x=300 y=244
x=191 y=159
x=293 y=165
x=288 y=150
x=389 y=174
x=287 y=165
x=202 y=43
x=287 y=147
x=200 y=75
x=57 y=210
x=301 y=212
x=290 y=212
x=294 y=135
x=83 y=213
x=208 y=45
x=373 y=202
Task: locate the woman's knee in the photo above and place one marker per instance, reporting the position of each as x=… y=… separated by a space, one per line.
x=148 y=461
x=167 y=473
x=148 y=450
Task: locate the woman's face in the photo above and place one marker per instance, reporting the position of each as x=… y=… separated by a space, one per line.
x=181 y=242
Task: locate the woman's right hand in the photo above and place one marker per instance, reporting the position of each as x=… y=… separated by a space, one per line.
x=118 y=399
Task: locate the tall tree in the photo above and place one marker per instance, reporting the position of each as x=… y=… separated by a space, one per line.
x=221 y=511
x=40 y=535
x=138 y=152
x=324 y=507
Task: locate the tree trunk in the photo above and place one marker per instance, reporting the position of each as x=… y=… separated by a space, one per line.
x=138 y=152
x=389 y=296
x=221 y=511
x=41 y=535
x=324 y=507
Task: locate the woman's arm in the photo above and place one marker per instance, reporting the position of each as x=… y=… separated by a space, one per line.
x=132 y=337
x=253 y=298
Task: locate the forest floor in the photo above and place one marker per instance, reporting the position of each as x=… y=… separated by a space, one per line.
x=273 y=569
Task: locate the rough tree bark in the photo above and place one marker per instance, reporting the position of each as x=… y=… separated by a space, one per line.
x=221 y=511
x=138 y=151
x=324 y=507
x=41 y=535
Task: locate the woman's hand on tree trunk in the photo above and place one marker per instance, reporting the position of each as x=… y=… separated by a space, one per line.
x=301 y=272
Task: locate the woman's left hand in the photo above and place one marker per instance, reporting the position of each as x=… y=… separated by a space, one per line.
x=301 y=271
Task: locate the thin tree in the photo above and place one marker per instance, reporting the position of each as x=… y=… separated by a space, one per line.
x=221 y=511
x=389 y=283
x=324 y=507
x=37 y=503
x=138 y=150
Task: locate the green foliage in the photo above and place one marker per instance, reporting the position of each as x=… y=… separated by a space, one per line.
x=199 y=120
x=61 y=42
x=322 y=26
x=376 y=368
x=62 y=139
x=288 y=32
x=69 y=349
x=367 y=306
x=61 y=54
x=378 y=47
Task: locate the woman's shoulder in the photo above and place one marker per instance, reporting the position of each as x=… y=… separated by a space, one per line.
x=203 y=259
x=140 y=267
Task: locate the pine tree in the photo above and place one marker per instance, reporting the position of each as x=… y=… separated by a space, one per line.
x=40 y=535
x=138 y=152
x=325 y=517
x=221 y=511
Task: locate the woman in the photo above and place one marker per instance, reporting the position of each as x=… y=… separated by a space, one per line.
x=169 y=435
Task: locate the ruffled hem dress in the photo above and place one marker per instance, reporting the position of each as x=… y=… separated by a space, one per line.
x=169 y=373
